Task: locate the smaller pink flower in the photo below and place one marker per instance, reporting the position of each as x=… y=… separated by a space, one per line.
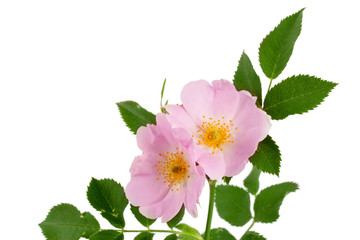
x=165 y=176
x=226 y=125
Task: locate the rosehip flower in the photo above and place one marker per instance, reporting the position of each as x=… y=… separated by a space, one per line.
x=226 y=125
x=165 y=176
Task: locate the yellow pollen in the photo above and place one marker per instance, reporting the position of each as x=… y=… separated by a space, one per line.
x=215 y=133
x=173 y=168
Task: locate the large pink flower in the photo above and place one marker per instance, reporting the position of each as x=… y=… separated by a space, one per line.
x=226 y=125
x=165 y=176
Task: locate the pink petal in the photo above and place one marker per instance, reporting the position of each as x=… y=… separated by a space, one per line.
x=248 y=115
x=237 y=155
x=197 y=97
x=149 y=139
x=173 y=205
x=192 y=197
x=143 y=187
x=213 y=164
x=156 y=138
x=144 y=164
x=165 y=128
x=178 y=117
x=225 y=100
x=183 y=137
x=167 y=208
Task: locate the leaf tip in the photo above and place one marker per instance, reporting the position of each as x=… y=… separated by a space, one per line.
x=296 y=186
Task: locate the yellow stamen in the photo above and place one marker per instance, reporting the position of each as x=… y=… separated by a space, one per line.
x=174 y=168
x=215 y=133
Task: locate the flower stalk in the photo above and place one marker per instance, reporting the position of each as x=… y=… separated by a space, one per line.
x=212 y=184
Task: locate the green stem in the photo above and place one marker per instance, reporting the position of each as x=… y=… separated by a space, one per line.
x=269 y=85
x=252 y=224
x=212 y=184
x=153 y=231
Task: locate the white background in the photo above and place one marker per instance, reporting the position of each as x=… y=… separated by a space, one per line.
x=64 y=65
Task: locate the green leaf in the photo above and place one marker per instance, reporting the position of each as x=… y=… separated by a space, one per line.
x=251 y=182
x=144 y=236
x=227 y=180
x=233 y=204
x=108 y=197
x=135 y=116
x=146 y=222
x=221 y=234
x=245 y=78
x=187 y=229
x=268 y=201
x=252 y=236
x=66 y=222
x=177 y=219
x=296 y=95
x=171 y=237
x=107 y=235
x=188 y=237
x=267 y=157
x=190 y=233
x=276 y=48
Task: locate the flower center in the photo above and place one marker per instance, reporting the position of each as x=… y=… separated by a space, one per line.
x=214 y=133
x=172 y=169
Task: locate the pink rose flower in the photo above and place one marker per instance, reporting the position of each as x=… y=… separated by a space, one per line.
x=226 y=125
x=165 y=176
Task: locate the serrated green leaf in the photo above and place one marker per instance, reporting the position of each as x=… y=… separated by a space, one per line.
x=135 y=116
x=107 y=235
x=146 y=222
x=233 y=204
x=296 y=95
x=177 y=219
x=245 y=78
x=221 y=234
x=144 y=236
x=251 y=182
x=276 y=48
x=227 y=180
x=108 y=197
x=268 y=201
x=190 y=233
x=267 y=157
x=66 y=222
x=252 y=236
x=187 y=229
x=171 y=237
